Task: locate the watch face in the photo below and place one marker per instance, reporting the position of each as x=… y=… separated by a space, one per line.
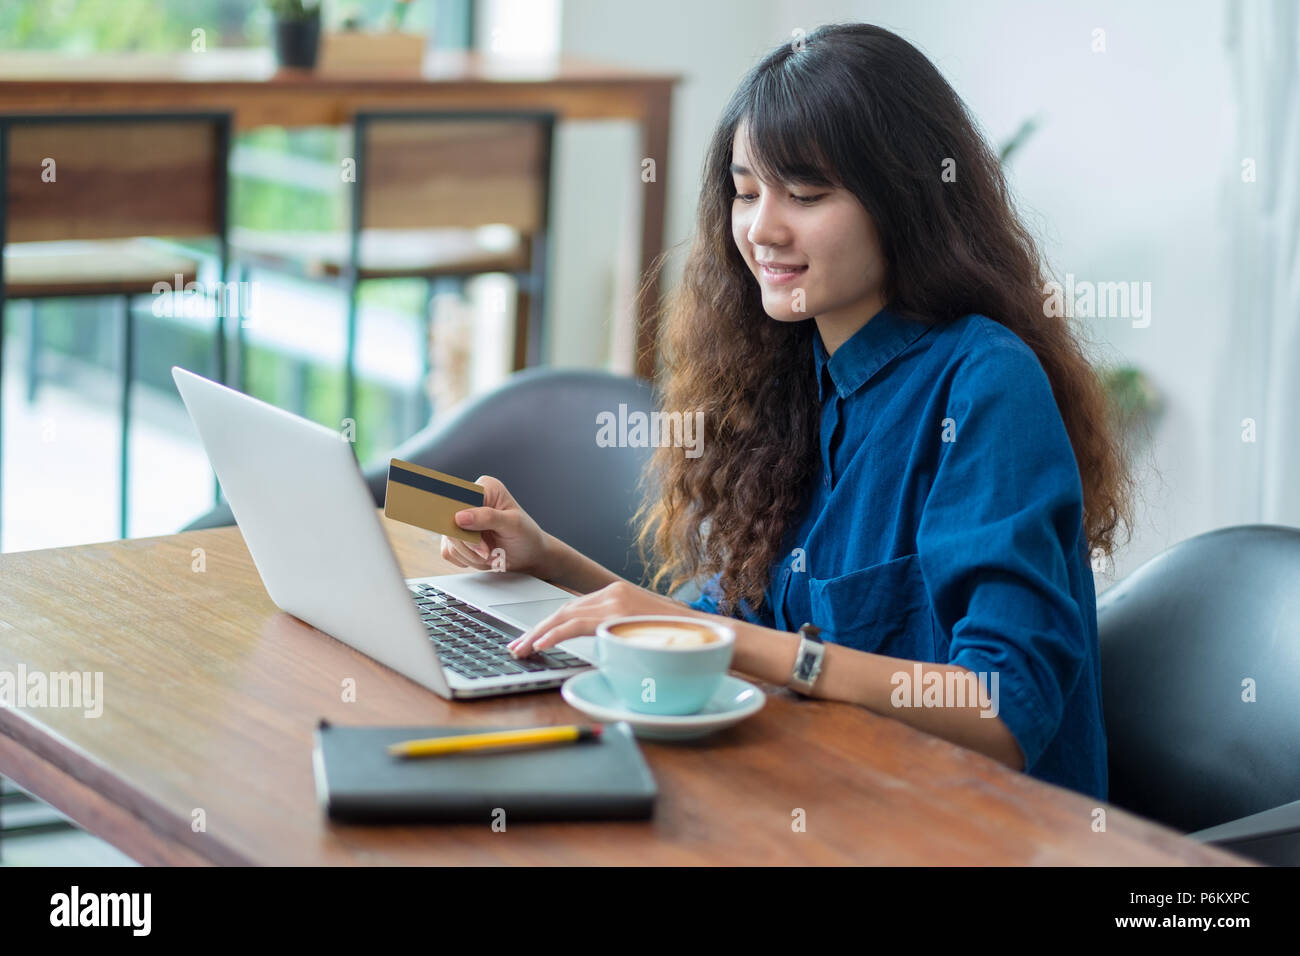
x=806 y=668
x=807 y=661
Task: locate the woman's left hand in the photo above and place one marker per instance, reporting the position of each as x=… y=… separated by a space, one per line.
x=581 y=615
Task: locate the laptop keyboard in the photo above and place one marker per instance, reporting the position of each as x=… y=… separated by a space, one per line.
x=473 y=643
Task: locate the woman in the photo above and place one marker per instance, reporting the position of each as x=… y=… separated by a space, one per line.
x=902 y=448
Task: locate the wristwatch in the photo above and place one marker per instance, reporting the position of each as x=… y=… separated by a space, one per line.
x=808 y=660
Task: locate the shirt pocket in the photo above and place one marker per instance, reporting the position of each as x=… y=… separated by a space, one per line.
x=883 y=609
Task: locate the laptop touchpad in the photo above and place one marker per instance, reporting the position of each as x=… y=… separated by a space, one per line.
x=528 y=613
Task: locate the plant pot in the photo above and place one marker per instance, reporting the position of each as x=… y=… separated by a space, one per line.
x=296 y=42
x=356 y=53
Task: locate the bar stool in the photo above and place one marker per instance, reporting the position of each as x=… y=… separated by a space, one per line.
x=85 y=200
x=426 y=185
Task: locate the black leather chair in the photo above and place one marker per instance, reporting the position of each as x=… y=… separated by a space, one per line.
x=1180 y=638
x=537 y=434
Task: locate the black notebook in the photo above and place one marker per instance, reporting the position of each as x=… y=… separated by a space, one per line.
x=358 y=780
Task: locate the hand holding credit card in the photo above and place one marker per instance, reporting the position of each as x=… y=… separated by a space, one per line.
x=430 y=499
x=493 y=533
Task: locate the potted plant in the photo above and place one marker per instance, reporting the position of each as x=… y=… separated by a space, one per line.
x=1134 y=399
x=297 y=32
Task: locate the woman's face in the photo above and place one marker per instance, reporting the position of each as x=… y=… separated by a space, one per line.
x=823 y=233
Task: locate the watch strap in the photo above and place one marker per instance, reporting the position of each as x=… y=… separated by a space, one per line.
x=807 y=660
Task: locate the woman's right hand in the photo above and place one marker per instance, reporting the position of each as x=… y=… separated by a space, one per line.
x=503 y=524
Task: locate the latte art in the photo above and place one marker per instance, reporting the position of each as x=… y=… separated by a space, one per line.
x=665 y=634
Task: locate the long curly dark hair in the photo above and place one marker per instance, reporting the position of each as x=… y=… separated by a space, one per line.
x=854 y=106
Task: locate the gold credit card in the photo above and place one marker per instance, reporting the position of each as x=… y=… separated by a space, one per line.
x=430 y=499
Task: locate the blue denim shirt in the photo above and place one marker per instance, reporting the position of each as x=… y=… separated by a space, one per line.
x=947 y=527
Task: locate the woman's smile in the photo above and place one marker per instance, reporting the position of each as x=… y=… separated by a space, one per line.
x=779 y=274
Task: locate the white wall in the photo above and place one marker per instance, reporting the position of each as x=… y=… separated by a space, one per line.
x=710 y=45
x=1122 y=182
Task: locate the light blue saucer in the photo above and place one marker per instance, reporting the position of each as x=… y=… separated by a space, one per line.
x=734 y=700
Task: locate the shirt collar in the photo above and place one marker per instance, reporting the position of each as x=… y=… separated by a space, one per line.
x=866 y=352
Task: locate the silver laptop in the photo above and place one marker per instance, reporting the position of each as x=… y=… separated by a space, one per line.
x=312 y=529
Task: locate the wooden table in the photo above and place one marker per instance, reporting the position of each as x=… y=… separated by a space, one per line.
x=211 y=695
x=247 y=84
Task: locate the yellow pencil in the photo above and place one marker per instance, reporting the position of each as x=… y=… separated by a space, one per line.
x=432 y=747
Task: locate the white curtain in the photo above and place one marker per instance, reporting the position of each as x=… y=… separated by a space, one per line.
x=1259 y=372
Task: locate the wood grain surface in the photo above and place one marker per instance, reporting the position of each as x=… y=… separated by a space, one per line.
x=211 y=695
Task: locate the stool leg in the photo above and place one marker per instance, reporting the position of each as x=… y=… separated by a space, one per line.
x=298 y=385
x=241 y=345
x=350 y=362
x=128 y=343
x=523 y=308
x=33 y=351
x=423 y=406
